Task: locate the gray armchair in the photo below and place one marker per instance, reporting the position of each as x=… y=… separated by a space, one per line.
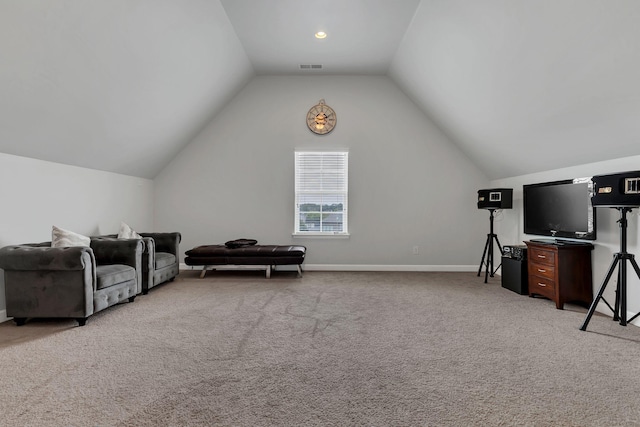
x=70 y=282
x=160 y=259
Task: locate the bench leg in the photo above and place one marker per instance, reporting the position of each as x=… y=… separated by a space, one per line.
x=268 y=270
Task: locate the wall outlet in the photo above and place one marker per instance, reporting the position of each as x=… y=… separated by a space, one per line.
x=416 y=250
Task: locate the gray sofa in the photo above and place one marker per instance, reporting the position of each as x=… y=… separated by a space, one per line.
x=70 y=282
x=160 y=261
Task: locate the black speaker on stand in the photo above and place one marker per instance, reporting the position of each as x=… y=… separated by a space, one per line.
x=492 y=199
x=621 y=192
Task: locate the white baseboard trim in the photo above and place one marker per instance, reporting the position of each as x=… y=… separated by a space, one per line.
x=3 y=316
x=602 y=308
x=369 y=267
x=382 y=267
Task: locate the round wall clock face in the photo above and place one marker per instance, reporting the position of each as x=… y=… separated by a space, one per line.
x=321 y=118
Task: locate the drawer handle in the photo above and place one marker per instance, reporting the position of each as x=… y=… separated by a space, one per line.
x=542 y=284
x=541 y=256
x=541 y=270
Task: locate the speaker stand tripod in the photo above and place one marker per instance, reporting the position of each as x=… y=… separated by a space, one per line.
x=620 y=307
x=488 y=250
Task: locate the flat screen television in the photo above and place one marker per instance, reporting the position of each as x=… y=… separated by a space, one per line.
x=560 y=209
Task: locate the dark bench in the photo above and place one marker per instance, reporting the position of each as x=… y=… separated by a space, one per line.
x=259 y=256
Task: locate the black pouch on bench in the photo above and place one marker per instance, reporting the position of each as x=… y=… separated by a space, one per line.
x=239 y=243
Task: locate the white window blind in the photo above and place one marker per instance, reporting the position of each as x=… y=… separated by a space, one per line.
x=321 y=192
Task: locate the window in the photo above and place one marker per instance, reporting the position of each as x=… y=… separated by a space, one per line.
x=321 y=192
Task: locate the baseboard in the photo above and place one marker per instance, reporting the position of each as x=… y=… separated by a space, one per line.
x=3 y=316
x=369 y=267
x=602 y=308
x=383 y=267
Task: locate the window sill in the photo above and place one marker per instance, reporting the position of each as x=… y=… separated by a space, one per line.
x=321 y=235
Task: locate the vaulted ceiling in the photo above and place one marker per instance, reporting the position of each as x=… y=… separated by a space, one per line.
x=519 y=85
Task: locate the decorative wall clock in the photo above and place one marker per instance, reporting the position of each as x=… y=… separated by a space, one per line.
x=321 y=118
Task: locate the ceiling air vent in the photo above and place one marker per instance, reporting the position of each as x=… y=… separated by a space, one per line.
x=310 y=66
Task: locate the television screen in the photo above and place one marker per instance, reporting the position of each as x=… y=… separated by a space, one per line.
x=560 y=209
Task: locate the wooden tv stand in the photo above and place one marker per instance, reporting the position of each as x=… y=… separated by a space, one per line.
x=560 y=272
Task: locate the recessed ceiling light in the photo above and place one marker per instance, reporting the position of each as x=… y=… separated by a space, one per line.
x=321 y=35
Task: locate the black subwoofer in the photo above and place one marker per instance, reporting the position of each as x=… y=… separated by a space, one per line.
x=514 y=275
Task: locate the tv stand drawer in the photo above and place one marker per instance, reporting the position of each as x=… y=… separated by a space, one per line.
x=546 y=271
x=542 y=256
x=542 y=286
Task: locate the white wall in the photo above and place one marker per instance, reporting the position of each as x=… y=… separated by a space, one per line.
x=556 y=76
x=37 y=195
x=510 y=228
x=409 y=186
x=107 y=77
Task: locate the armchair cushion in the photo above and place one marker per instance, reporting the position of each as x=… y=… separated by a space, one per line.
x=164 y=259
x=109 y=275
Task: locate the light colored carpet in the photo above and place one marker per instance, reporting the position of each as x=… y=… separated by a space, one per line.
x=329 y=349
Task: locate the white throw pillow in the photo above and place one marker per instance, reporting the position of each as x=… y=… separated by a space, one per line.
x=61 y=238
x=127 y=232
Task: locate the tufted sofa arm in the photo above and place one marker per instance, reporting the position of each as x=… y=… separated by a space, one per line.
x=35 y=257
